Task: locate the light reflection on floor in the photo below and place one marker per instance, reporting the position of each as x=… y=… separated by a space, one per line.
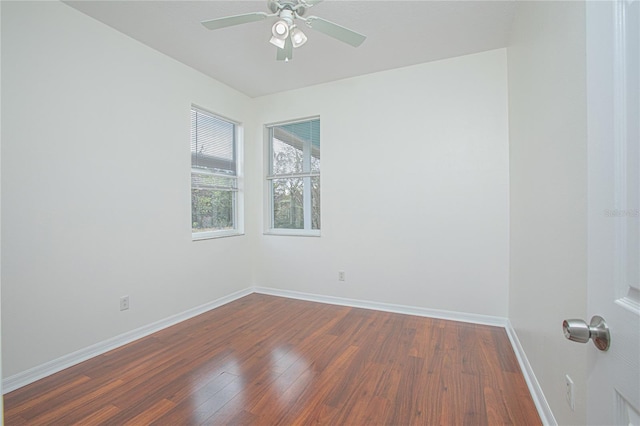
x=215 y=389
x=292 y=374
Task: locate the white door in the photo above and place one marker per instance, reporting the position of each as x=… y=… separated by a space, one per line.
x=613 y=88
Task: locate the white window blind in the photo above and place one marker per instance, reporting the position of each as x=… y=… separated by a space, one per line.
x=212 y=143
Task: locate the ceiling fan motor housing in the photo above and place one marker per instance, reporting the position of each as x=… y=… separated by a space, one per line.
x=275 y=6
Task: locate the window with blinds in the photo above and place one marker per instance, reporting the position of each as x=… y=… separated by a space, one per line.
x=214 y=177
x=294 y=177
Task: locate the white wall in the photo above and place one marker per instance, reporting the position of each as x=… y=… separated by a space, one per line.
x=96 y=176
x=95 y=185
x=548 y=157
x=414 y=188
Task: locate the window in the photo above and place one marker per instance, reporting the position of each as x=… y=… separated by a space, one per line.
x=294 y=178
x=214 y=176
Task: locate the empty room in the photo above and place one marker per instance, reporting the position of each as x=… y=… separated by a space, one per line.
x=320 y=212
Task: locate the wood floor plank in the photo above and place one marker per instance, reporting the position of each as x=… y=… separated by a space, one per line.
x=152 y=413
x=266 y=360
x=27 y=398
x=353 y=409
x=192 y=409
x=291 y=385
x=61 y=413
x=98 y=416
x=329 y=381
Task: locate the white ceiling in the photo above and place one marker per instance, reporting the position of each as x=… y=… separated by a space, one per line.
x=399 y=33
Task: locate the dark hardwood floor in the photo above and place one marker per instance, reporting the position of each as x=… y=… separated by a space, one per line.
x=267 y=360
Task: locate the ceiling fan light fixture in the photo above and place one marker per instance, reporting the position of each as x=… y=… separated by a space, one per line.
x=280 y=29
x=298 y=38
x=278 y=42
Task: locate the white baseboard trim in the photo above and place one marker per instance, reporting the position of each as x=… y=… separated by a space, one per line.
x=544 y=410
x=36 y=373
x=48 y=368
x=386 y=307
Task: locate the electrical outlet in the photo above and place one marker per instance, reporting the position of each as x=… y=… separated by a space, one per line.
x=124 y=303
x=569 y=392
x=340 y=275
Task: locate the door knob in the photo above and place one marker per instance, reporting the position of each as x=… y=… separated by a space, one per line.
x=579 y=331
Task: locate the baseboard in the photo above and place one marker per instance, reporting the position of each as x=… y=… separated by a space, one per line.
x=36 y=373
x=41 y=371
x=386 y=307
x=544 y=410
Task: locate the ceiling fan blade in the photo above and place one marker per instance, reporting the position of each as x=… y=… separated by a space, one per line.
x=336 y=31
x=287 y=52
x=229 y=21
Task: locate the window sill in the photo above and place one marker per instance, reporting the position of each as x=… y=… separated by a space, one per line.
x=293 y=232
x=199 y=236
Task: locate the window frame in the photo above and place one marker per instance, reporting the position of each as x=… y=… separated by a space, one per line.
x=237 y=192
x=269 y=219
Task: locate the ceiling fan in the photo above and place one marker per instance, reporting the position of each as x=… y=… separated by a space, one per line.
x=285 y=33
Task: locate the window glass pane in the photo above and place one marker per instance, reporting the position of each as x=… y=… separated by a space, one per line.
x=214 y=173
x=290 y=142
x=304 y=130
x=315 y=159
x=286 y=157
x=211 y=210
x=315 y=202
x=287 y=203
x=209 y=181
x=294 y=149
x=212 y=143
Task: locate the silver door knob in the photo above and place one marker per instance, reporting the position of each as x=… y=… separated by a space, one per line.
x=579 y=331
